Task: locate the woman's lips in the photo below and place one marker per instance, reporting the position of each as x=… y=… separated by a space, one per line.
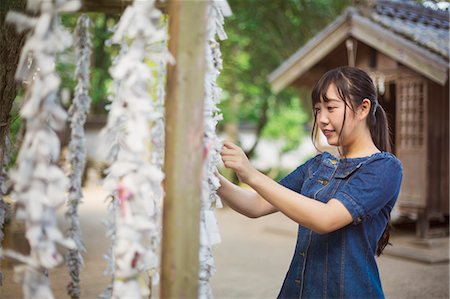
x=327 y=133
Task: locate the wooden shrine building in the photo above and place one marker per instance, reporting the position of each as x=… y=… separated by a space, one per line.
x=405 y=49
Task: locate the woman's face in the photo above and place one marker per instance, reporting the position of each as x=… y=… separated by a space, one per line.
x=330 y=117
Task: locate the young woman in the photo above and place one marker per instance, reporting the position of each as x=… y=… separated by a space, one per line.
x=342 y=205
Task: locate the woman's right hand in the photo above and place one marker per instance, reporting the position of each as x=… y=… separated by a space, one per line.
x=233 y=157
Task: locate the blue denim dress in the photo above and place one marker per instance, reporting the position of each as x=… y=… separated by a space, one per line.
x=341 y=264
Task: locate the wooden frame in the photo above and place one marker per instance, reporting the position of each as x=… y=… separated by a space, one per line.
x=413 y=153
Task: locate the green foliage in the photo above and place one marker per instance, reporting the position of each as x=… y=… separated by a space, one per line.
x=261 y=35
x=15 y=130
x=100 y=60
x=287 y=121
x=65 y=66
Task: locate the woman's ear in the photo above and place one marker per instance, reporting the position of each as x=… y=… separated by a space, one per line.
x=364 y=108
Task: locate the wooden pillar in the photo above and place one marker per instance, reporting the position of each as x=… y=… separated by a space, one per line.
x=183 y=149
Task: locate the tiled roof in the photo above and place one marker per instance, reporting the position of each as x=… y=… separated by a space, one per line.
x=426 y=27
x=411 y=34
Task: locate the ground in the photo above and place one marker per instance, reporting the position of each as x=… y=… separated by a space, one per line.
x=251 y=260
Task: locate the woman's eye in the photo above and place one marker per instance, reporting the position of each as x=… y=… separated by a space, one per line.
x=316 y=110
x=331 y=108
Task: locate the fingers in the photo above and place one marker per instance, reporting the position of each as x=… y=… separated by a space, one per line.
x=227 y=152
x=231 y=164
x=230 y=145
x=232 y=155
x=230 y=158
x=229 y=149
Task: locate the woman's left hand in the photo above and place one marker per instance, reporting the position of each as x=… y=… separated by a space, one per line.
x=233 y=157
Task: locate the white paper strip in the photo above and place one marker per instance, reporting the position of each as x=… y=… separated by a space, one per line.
x=4 y=207
x=136 y=128
x=209 y=231
x=39 y=185
x=111 y=137
x=77 y=150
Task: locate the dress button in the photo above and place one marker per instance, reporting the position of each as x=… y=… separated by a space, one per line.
x=333 y=161
x=297 y=281
x=323 y=182
x=346 y=173
x=302 y=253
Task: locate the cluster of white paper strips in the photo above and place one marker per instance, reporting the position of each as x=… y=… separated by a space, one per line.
x=135 y=129
x=133 y=178
x=77 y=150
x=209 y=232
x=39 y=183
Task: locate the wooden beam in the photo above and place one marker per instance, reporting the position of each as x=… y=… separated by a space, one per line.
x=183 y=149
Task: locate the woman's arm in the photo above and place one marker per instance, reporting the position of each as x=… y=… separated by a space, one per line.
x=246 y=202
x=317 y=216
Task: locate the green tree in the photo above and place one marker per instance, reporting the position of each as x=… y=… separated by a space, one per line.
x=100 y=61
x=261 y=35
x=10 y=44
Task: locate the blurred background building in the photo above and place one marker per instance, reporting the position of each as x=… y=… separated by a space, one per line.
x=404 y=46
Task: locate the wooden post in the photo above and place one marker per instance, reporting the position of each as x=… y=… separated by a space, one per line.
x=183 y=149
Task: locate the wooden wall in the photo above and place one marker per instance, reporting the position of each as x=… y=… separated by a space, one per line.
x=419 y=119
x=411 y=140
x=438 y=153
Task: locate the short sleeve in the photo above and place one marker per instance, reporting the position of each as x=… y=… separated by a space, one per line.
x=372 y=187
x=294 y=180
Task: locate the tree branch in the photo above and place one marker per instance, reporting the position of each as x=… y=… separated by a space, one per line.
x=259 y=128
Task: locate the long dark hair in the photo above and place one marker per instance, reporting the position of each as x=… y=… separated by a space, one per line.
x=353 y=86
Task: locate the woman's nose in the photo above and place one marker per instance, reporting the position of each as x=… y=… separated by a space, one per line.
x=322 y=117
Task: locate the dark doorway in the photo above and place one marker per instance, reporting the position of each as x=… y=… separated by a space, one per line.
x=388 y=101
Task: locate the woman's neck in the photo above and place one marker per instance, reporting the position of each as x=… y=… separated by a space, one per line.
x=361 y=146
